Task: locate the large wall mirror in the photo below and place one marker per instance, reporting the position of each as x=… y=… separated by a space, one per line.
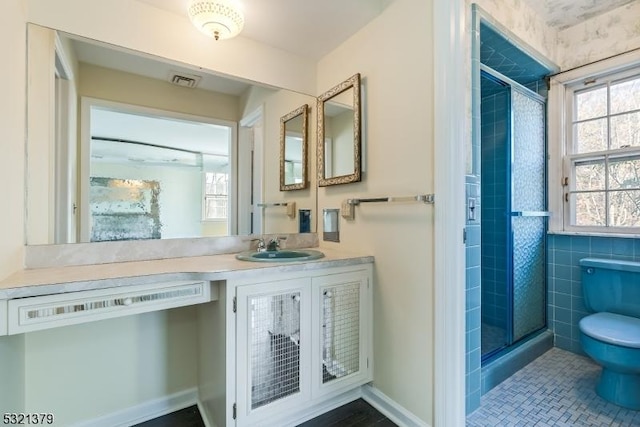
x=123 y=145
x=339 y=135
x=293 y=149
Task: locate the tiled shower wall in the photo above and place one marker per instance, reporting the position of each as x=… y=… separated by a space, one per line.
x=473 y=374
x=494 y=183
x=564 y=290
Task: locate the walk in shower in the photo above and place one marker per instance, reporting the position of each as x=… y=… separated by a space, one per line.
x=513 y=194
x=506 y=208
x=513 y=213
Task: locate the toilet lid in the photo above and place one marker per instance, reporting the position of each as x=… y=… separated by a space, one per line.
x=612 y=328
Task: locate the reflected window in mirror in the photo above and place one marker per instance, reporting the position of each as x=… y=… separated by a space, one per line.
x=339 y=154
x=293 y=149
x=216 y=196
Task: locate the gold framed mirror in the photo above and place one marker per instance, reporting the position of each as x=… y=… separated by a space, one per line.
x=339 y=142
x=293 y=149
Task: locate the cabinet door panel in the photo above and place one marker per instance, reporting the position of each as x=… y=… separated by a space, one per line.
x=340 y=320
x=273 y=348
x=341 y=324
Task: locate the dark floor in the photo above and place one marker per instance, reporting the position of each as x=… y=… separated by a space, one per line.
x=187 y=417
x=355 y=414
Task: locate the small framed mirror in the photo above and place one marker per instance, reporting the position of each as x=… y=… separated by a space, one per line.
x=293 y=150
x=339 y=143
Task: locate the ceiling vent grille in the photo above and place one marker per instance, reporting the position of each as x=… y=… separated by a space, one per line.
x=184 y=80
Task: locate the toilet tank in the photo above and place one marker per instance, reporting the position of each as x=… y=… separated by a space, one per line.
x=611 y=285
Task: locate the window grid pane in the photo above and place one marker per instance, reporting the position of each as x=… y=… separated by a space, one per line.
x=625 y=130
x=625 y=95
x=216 y=195
x=605 y=191
x=590 y=175
x=590 y=209
x=591 y=136
x=591 y=103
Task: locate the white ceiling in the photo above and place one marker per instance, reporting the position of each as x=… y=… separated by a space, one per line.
x=562 y=14
x=312 y=28
x=309 y=28
x=165 y=131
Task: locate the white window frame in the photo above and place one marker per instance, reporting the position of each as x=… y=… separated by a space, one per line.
x=561 y=182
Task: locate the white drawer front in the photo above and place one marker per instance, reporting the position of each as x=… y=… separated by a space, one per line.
x=49 y=311
x=3 y=317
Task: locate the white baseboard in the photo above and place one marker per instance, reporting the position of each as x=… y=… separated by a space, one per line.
x=165 y=405
x=390 y=408
x=144 y=411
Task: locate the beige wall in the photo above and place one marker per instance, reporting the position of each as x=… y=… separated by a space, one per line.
x=397 y=71
x=84 y=371
x=127 y=88
x=12 y=123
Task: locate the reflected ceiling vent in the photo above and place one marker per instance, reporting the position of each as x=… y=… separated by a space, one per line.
x=184 y=80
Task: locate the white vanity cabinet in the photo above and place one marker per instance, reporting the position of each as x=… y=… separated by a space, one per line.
x=296 y=342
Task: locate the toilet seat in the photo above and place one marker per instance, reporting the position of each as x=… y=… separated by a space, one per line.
x=612 y=328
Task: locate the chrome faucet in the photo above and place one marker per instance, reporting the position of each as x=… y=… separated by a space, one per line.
x=274 y=243
x=262 y=246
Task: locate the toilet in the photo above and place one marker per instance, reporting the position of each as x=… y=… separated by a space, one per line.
x=611 y=336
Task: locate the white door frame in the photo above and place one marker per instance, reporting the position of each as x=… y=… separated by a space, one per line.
x=65 y=168
x=451 y=126
x=251 y=156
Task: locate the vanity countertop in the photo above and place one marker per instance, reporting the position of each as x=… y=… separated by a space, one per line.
x=54 y=280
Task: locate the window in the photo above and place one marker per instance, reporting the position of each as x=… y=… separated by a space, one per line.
x=603 y=154
x=216 y=195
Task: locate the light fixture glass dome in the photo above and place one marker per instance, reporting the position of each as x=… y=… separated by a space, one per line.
x=220 y=19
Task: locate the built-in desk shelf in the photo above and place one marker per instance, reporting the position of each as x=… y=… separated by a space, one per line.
x=50 y=311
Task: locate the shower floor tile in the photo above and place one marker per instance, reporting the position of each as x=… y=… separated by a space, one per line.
x=555 y=390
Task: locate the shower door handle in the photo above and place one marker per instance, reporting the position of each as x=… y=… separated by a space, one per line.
x=530 y=213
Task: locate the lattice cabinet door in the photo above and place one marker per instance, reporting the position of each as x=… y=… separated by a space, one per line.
x=342 y=325
x=273 y=349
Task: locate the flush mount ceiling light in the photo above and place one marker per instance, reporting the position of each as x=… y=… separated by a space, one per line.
x=220 y=19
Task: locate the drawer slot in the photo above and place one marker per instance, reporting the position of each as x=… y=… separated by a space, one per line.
x=3 y=317
x=49 y=311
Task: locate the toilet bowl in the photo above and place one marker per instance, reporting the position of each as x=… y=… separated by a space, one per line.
x=613 y=341
x=611 y=336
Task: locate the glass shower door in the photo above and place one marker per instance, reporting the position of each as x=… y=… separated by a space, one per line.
x=528 y=213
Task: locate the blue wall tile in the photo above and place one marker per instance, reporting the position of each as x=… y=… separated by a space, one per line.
x=622 y=247
x=565 y=304
x=581 y=244
x=601 y=245
x=473 y=282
